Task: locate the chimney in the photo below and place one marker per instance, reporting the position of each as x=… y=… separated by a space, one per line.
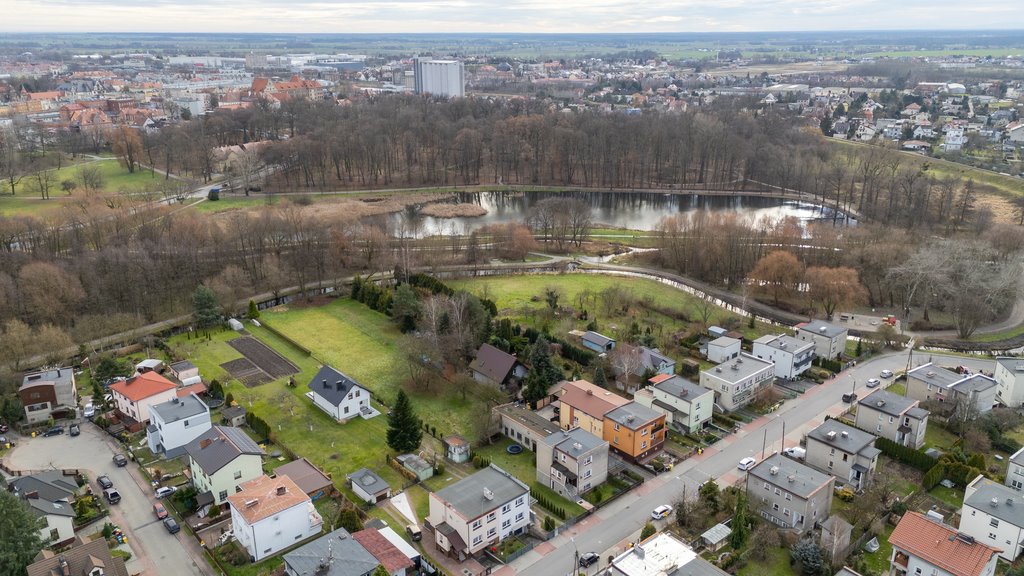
x=251 y=503
x=590 y=392
x=339 y=385
x=62 y=564
x=325 y=384
x=994 y=503
x=58 y=372
x=488 y=494
x=281 y=490
x=846 y=434
x=204 y=443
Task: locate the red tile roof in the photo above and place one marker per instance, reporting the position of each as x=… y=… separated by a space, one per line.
x=590 y=398
x=659 y=378
x=939 y=545
x=193 y=389
x=383 y=550
x=265 y=499
x=143 y=386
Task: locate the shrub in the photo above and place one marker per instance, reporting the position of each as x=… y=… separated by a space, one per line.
x=846 y=495
x=915 y=458
x=549 y=523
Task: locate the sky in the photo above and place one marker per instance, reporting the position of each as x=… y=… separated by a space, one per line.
x=532 y=16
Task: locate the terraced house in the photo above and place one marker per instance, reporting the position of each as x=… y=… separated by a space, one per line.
x=635 y=431
x=738 y=381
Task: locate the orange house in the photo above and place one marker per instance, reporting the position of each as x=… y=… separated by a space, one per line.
x=635 y=431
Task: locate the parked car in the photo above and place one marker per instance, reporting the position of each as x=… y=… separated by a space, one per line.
x=661 y=512
x=120 y=460
x=165 y=491
x=112 y=496
x=160 y=511
x=171 y=525
x=104 y=482
x=795 y=452
x=74 y=430
x=747 y=463
x=873 y=382
x=54 y=431
x=589 y=559
x=886 y=374
x=4 y=429
x=849 y=398
x=89 y=411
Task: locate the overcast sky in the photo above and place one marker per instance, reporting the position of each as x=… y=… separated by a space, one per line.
x=348 y=16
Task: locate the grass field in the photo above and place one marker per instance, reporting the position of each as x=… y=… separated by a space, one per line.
x=879 y=560
x=115 y=180
x=777 y=564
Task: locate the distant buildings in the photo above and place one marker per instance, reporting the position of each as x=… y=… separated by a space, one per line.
x=439 y=77
x=973 y=392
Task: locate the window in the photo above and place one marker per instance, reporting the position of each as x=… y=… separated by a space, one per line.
x=991 y=536
x=54 y=534
x=186 y=423
x=643 y=432
x=477 y=540
x=492 y=516
x=890 y=419
x=349 y=397
x=223 y=495
x=346 y=410
x=506 y=508
x=616 y=427
x=494 y=531
x=643 y=444
x=238 y=474
x=878 y=428
x=994 y=523
x=505 y=524
x=357 y=393
x=587 y=473
x=588 y=460
x=767 y=486
x=829 y=464
x=764 y=500
x=845 y=457
x=778 y=492
x=775 y=507
x=519 y=517
x=519 y=501
x=267 y=551
x=789 y=496
x=477 y=524
x=785 y=512
x=615 y=440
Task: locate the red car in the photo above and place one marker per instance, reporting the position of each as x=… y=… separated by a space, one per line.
x=160 y=511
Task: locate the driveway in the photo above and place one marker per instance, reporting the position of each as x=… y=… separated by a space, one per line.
x=154 y=551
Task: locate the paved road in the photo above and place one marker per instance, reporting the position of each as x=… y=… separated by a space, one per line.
x=157 y=551
x=608 y=532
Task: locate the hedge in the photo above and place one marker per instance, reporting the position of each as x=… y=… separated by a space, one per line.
x=915 y=458
x=934 y=476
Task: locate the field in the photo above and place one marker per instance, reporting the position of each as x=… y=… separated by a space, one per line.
x=115 y=180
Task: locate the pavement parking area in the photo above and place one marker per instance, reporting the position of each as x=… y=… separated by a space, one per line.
x=154 y=550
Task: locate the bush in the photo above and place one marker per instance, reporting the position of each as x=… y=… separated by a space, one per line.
x=915 y=458
x=846 y=495
x=549 y=523
x=934 y=476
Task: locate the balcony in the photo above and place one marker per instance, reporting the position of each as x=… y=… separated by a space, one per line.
x=901 y=560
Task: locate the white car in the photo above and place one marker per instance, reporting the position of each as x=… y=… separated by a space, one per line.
x=795 y=452
x=661 y=512
x=89 y=411
x=747 y=463
x=873 y=382
x=886 y=374
x=165 y=491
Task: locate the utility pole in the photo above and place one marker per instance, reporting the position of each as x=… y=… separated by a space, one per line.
x=910 y=359
x=764 y=443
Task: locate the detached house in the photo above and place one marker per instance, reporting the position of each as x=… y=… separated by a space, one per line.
x=339 y=396
x=271 y=514
x=738 y=381
x=220 y=460
x=571 y=462
x=686 y=406
x=49 y=393
x=49 y=496
x=829 y=340
x=792 y=357
x=136 y=395
x=1009 y=376
x=843 y=451
x=85 y=557
x=345 y=557
x=895 y=417
x=175 y=423
x=923 y=545
x=496 y=367
x=974 y=392
x=994 y=514
x=788 y=493
x=478 y=511
x=723 y=349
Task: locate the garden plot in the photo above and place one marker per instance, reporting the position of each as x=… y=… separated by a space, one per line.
x=264 y=357
x=246 y=372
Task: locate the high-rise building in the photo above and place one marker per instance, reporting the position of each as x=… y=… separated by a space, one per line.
x=254 y=61
x=439 y=77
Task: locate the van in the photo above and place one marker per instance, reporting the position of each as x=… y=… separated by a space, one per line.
x=414 y=532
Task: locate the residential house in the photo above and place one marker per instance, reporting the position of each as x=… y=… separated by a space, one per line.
x=334 y=554
x=687 y=406
x=307 y=477
x=338 y=395
x=571 y=462
x=271 y=514
x=892 y=416
x=792 y=357
x=843 y=451
x=737 y=382
x=723 y=349
x=597 y=342
x=84 y=556
x=1009 y=376
x=48 y=394
x=496 y=367
x=789 y=494
x=221 y=459
x=369 y=486
x=662 y=555
x=652 y=360
x=954 y=140
x=635 y=431
x=924 y=545
x=829 y=339
x=584 y=405
x=49 y=495
x=478 y=511
x=524 y=426
x=394 y=561
x=456 y=448
x=631 y=363
x=994 y=514
x=1015 y=471
x=175 y=423
x=185 y=372
x=973 y=392
x=136 y=395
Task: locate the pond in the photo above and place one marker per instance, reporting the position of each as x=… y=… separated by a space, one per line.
x=631 y=210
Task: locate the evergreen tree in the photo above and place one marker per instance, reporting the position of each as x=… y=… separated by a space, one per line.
x=808 y=558
x=405 y=308
x=648 y=531
x=740 y=523
x=19 y=535
x=404 y=429
x=205 y=307
x=599 y=378
x=543 y=372
x=253 y=312
x=348 y=519
x=710 y=495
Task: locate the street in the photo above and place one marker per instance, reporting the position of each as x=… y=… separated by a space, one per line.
x=608 y=531
x=154 y=550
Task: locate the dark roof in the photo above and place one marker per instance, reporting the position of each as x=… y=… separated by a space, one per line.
x=680 y=387
x=568 y=440
x=51 y=485
x=180 y=408
x=596 y=338
x=182 y=366
x=393 y=559
x=45 y=507
x=368 y=481
x=232 y=412
x=528 y=418
x=653 y=358
x=806 y=480
x=452 y=535
x=308 y=477
x=997 y=500
x=469 y=496
x=887 y=402
x=332 y=385
x=493 y=363
x=225 y=444
x=82 y=558
x=57 y=376
x=633 y=415
x=822 y=328
x=845 y=438
x=345 y=557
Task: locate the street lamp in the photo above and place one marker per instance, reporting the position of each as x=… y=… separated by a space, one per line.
x=576 y=557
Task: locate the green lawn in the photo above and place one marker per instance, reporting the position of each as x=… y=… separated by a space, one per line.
x=879 y=560
x=938 y=437
x=777 y=564
x=952 y=497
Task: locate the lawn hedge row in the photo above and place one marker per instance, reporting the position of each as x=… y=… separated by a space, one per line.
x=909 y=456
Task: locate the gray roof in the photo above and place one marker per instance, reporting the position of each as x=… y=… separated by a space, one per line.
x=783 y=342
x=42 y=507
x=998 y=501
x=597 y=338
x=226 y=443
x=653 y=357
x=180 y=408
x=633 y=415
x=469 y=495
x=681 y=388
x=414 y=462
x=935 y=375
x=332 y=385
x=739 y=368
x=493 y=363
x=724 y=341
x=698 y=567
x=806 y=480
x=918 y=413
x=822 y=328
x=1017 y=457
x=368 y=481
x=529 y=418
x=182 y=366
x=567 y=440
x=847 y=571
x=345 y=556
x=855 y=441
x=716 y=533
x=50 y=485
x=232 y=412
x=58 y=376
x=1011 y=363
x=888 y=403
x=975 y=382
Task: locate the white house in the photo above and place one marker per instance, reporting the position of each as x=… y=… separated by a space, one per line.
x=221 y=459
x=792 y=357
x=662 y=554
x=175 y=423
x=737 y=382
x=686 y=406
x=271 y=514
x=134 y=396
x=49 y=496
x=723 y=349
x=975 y=392
x=829 y=340
x=338 y=395
x=994 y=514
x=924 y=545
x=1015 y=471
x=478 y=511
x=370 y=487
x=1009 y=375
